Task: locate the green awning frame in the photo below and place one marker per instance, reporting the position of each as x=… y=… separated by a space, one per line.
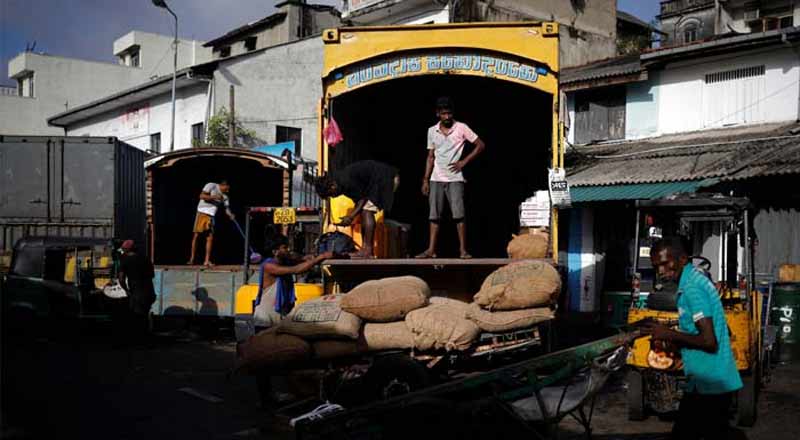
x=635 y=191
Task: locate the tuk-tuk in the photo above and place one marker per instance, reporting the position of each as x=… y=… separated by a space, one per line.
x=655 y=376
x=56 y=278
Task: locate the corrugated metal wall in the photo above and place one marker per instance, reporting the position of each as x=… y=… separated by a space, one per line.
x=129 y=188
x=778 y=232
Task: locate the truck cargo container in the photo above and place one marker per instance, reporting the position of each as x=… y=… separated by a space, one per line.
x=52 y=186
x=380 y=85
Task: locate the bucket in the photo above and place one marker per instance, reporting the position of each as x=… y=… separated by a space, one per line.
x=785 y=315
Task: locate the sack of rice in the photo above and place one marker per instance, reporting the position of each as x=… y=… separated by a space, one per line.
x=270 y=348
x=507 y=320
x=389 y=336
x=321 y=318
x=331 y=348
x=520 y=285
x=442 y=326
x=387 y=300
x=454 y=304
x=528 y=246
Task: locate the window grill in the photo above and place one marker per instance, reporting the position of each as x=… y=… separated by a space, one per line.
x=732 y=75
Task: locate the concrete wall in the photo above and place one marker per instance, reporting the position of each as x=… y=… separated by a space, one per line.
x=134 y=124
x=641 y=109
x=682 y=91
x=703 y=20
x=588 y=32
x=279 y=86
x=60 y=83
x=155 y=52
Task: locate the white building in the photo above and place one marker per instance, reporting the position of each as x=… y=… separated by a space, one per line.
x=277 y=92
x=273 y=65
x=718 y=115
x=49 y=84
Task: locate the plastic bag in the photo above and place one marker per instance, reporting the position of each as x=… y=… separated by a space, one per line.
x=332 y=133
x=114 y=290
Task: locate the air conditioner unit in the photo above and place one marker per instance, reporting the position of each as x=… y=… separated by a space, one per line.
x=753 y=14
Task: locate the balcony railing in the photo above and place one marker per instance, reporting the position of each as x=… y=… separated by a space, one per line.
x=671 y=7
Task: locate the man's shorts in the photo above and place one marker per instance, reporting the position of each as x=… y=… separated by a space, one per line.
x=369 y=206
x=453 y=192
x=203 y=223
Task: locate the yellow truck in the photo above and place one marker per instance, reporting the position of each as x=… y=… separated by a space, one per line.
x=380 y=85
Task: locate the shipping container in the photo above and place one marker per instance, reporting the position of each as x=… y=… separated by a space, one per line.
x=70 y=187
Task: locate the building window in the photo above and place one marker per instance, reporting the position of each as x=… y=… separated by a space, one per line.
x=250 y=43
x=290 y=134
x=135 y=61
x=600 y=115
x=155 y=143
x=689 y=33
x=198 y=134
x=25 y=86
x=786 y=22
x=225 y=52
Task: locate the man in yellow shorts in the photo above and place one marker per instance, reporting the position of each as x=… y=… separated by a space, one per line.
x=212 y=197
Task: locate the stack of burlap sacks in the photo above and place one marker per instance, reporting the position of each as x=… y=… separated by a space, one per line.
x=399 y=313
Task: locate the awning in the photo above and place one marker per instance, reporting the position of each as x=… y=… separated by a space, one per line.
x=636 y=191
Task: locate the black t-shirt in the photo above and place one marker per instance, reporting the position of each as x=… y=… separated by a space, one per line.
x=139 y=272
x=368 y=179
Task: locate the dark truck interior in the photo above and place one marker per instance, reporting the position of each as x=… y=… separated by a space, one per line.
x=388 y=122
x=176 y=191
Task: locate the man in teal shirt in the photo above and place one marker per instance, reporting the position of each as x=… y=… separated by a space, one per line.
x=705 y=345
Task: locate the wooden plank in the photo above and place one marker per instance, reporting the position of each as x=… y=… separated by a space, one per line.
x=422 y=262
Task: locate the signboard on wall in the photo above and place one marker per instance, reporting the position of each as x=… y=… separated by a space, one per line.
x=135 y=120
x=469 y=63
x=559 y=188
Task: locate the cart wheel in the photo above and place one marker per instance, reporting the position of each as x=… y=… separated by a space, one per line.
x=635 y=395
x=746 y=399
x=395 y=375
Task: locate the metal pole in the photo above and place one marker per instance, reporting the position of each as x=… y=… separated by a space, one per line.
x=174 y=75
x=247 y=246
x=232 y=120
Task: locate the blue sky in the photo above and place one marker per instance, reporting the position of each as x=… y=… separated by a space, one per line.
x=87 y=28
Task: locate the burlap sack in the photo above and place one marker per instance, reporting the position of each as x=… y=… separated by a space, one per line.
x=387 y=300
x=528 y=246
x=453 y=304
x=389 y=336
x=442 y=326
x=508 y=320
x=520 y=285
x=269 y=348
x=331 y=348
x=321 y=318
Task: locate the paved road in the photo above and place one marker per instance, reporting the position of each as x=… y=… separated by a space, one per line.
x=176 y=390
x=179 y=389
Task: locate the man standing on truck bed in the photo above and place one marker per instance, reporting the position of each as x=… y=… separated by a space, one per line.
x=704 y=342
x=371 y=185
x=212 y=197
x=443 y=173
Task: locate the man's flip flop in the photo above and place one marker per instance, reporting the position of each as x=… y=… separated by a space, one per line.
x=425 y=255
x=466 y=256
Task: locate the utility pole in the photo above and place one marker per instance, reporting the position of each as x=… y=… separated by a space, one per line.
x=231 y=120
